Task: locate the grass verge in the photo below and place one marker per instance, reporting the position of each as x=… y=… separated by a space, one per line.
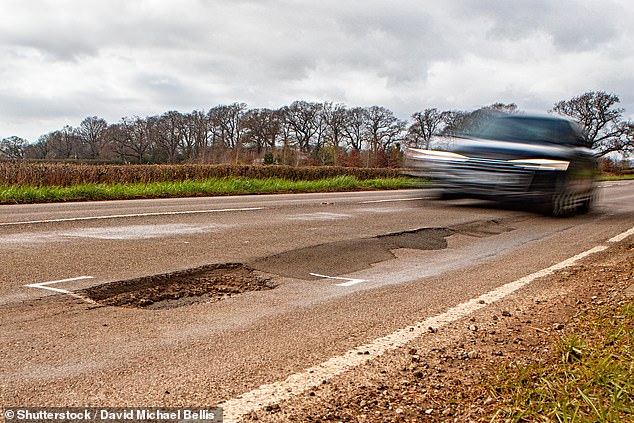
x=16 y=194
x=622 y=177
x=590 y=380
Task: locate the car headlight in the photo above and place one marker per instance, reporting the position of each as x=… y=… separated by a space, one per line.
x=435 y=155
x=541 y=164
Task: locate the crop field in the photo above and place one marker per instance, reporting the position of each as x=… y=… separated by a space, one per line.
x=68 y=174
x=22 y=183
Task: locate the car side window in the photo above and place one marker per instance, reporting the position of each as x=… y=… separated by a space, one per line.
x=578 y=137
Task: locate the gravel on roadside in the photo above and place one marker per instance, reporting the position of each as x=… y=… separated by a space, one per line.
x=440 y=377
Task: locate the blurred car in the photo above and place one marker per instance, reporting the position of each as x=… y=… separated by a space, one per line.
x=541 y=161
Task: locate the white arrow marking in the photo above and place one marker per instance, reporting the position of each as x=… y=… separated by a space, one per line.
x=44 y=285
x=351 y=281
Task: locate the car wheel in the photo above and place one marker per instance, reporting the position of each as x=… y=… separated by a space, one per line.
x=587 y=203
x=561 y=202
x=558 y=205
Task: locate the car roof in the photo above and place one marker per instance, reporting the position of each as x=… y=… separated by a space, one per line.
x=533 y=116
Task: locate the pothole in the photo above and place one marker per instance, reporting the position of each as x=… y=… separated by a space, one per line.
x=417 y=239
x=344 y=257
x=200 y=285
x=217 y=281
x=482 y=229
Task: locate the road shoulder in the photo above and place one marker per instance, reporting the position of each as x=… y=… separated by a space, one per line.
x=439 y=377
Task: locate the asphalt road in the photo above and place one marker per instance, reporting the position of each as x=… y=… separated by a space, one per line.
x=348 y=268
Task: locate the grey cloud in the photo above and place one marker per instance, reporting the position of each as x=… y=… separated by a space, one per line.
x=35 y=107
x=171 y=91
x=147 y=57
x=573 y=25
x=66 y=32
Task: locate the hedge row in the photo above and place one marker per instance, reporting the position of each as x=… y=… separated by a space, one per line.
x=68 y=174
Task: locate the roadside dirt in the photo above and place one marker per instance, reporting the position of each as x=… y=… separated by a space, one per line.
x=440 y=378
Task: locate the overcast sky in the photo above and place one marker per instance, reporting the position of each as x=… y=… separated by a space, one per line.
x=64 y=60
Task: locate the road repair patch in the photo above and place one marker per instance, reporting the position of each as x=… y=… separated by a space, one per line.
x=200 y=285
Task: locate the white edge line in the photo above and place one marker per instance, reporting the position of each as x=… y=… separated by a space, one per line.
x=122 y=216
x=277 y=392
x=44 y=285
x=622 y=236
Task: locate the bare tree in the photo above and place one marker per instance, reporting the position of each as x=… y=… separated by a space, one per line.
x=383 y=129
x=460 y=122
x=289 y=154
x=39 y=150
x=170 y=129
x=262 y=129
x=187 y=136
x=319 y=154
x=455 y=121
x=92 y=132
x=196 y=135
x=302 y=121
x=600 y=119
x=321 y=132
x=227 y=119
x=425 y=125
x=136 y=138
x=335 y=118
x=12 y=148
x=503 y=108
x=354 y=130
x=63 y=144
x=117 y=135
x=227 y=122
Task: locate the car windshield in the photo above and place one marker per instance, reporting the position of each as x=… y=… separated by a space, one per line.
x=522 y=129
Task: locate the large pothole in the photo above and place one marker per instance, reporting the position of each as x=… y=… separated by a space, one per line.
x=217 y=281
x=200 y=285
x=344 y=257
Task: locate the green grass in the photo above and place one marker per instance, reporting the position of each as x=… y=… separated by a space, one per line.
x=622 y=177
x=218 y=186
x=591 y=380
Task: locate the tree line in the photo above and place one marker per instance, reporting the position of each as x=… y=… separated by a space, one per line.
x=302 y=133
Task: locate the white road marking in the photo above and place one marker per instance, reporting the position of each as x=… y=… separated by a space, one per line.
x=142 y=231
x=610 y=184
x=45 y=285
x=319 y=216
x=276 y=392
x=123 y=216
x=392 y=200
x=622 y=236
x=131 y=232
x=351 y=281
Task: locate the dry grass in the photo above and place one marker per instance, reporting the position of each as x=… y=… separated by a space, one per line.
x=70 y=174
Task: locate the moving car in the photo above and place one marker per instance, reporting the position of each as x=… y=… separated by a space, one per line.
x=539 y=161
